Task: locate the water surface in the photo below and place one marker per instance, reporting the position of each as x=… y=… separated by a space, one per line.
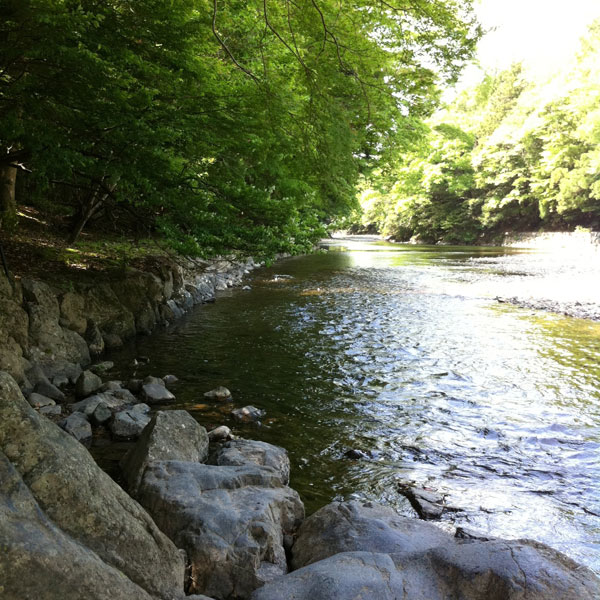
x=402 y=352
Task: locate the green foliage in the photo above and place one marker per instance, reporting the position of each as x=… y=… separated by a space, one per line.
x=506 y=155
x=224 y=125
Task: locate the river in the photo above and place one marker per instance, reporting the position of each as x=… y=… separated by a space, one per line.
x=403 y=353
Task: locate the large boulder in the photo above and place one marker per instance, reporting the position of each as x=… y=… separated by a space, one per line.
x=491 y=570
x=231 y=521
x=240 y=452
x=170 y=435
x=38 y=560
x=366 y=527
x=79 y=498
x=347 y=576
x=365 y=551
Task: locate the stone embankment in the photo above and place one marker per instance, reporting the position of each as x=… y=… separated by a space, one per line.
x=55 y=330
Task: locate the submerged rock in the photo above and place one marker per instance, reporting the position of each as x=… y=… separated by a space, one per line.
x=248 y=414
x=219 y=393
x=428 y=504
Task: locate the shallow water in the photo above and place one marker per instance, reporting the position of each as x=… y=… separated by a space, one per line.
x=403 y=353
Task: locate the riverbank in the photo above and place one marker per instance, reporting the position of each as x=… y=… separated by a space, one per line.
x=218 y=516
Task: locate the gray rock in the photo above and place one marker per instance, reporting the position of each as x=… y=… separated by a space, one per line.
x=72 y=312
x=72 y=371
x=141 y=408
x=219 y=434
x=36 y=374
x=38 y=400
x=230 y=520
x=60 y=380
x=134 y=385
x=87 y=406
x=347 y=576
x=247 y=414
x=78 y=497
x=112 y=341
x=155 y=393
x=219 y=393
x=45 y=388
x=102 y=367
x=54 y=411
x=79 y=427
x=128 y=424
x=476 y=571
x=110 y=386
x=101 y=414
x=87 y=383
x=123 y=395
x=355 y=543
x=154 y=380
x=250 y=452
x=428 y=504
x=38 y=560
x=354 y=526
x=170 y=435
x=170 y=380
x=94 y=339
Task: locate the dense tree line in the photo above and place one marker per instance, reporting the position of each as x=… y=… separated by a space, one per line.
x=220 y=123
x=509 y=154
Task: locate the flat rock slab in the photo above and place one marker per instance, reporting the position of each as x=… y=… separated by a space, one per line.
x=230 y=520
x=170 y=435
x=237 y=453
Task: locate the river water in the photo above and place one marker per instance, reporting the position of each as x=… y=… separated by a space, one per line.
x=403 y=353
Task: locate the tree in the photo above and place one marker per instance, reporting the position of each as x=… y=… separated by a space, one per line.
x=227 y=125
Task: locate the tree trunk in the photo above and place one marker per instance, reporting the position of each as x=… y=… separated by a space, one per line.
x=8 y=200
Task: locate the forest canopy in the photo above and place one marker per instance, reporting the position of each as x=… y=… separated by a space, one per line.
x=221 y=124
x=510 y=154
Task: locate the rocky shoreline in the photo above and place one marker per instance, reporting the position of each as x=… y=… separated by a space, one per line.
x=212 y=517
x=202 y=515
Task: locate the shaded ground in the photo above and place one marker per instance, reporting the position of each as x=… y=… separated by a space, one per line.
x=38 y=249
